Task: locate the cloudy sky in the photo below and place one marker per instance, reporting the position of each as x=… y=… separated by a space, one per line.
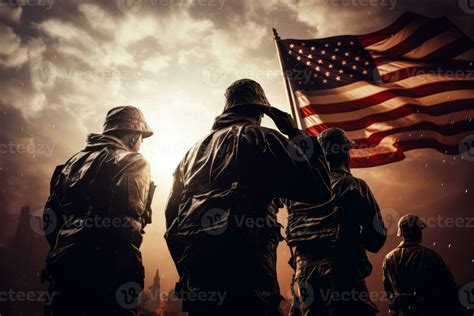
x=64 y=63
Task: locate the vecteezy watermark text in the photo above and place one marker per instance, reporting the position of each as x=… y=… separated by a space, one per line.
x=46 y=73
x=32 y=149
x=12 y=295
x=134 y=6
x=363 y=3
x=48 y=4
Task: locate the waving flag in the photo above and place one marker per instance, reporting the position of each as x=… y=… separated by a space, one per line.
x=408 y=86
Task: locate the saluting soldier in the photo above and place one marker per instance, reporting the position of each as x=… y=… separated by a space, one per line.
x=221 y=214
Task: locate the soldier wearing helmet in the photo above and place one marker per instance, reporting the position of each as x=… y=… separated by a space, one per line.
x=222 y=229
x=94 y=218
x=416 y=279
x=330 y=241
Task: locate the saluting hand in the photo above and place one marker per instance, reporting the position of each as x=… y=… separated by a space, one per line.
x=283 y=121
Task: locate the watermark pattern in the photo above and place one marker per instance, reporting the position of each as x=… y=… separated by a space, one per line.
x=390 y=218
x=215 y=76
x=467 y=6
x=466 y=295
x=447 y=222
x=129 y=295
x=353 y=295
x=129 y=6
x=303 y=150
x=305 y=294
x=12 y=295
x=214 y=221
x=32 y=148
x=48 y=4
x=458 y=74
x=134 y=6
x=216 y=297
x=45 y=74
x=466 y=148
x=390 y=4
x=44 y=221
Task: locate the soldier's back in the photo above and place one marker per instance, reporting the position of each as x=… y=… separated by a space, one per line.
x=420 y=273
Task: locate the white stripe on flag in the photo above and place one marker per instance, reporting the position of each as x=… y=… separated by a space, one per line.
x=434 y=44
x=397 y=38
x=362 y=89
x=394 y=104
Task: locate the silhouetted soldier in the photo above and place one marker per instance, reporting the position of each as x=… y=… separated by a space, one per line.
x=330 y=241
x=99 y=204
x=221 y=214
x=416 y=279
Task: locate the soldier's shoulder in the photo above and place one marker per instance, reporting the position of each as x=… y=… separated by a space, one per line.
x=125 y=158
x=392 y=255
x=361 y=185
x=430 y=252
x=358 y=181
x=254 y=132
x=254 y=128
x=345 y=180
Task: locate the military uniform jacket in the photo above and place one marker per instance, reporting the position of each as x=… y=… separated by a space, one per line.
x=97 y=209
x=222 y=230
x=416 y=278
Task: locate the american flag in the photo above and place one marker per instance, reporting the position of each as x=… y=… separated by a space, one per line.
x=408 y=86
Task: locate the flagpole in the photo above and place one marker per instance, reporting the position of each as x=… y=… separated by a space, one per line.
x=277 y=39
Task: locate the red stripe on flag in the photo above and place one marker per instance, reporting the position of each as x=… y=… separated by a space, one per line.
x=403 y=146
x=374 y=139
x=445 y=130
x=455 y=69
x=408 y=109
x=371 y=100
x=425 y=32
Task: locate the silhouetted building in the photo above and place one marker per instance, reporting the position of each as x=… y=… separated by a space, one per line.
x=151 y=298
x=172 y=306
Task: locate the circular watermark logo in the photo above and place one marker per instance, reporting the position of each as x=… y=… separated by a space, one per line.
x=466 y=148
x=43 y=74
x=129 y=6
x=129 y=295
x=467 y=6
x=466 y=295
x=390 y=218
x=212 y=221
x=213 y=75
x=385 y=78
x=43 y=221
x=303 y=150
x=304 y=293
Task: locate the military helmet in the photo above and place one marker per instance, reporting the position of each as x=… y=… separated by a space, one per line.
x=127 y=118
x=409 y=224
x=245 y=92
x=334 y=141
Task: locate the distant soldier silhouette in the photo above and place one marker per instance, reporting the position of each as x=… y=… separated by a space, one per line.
x=222 y=229
x=99 y=204
x=416 y=279
x=330 y=241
